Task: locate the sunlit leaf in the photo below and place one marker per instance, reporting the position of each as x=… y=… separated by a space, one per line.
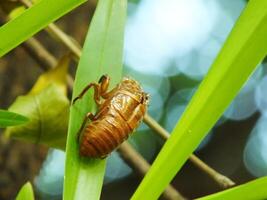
x=47 y=107
x=26 y=192
x=33 y=20
x=11 y=119
x=16 y=12
x=102 y=54
x=242 y=52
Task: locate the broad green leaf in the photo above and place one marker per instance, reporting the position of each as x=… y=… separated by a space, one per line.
x=102 y=54
x=26 y=192
x=253 y=190
x=33 y=20
x=243 y=50
x=47 y=107
x=11 y=119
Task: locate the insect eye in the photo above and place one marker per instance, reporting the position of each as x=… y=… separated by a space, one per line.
x=144 y=98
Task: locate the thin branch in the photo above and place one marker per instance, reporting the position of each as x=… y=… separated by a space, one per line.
x=43 y=57
x=36 y=50
x=56 y=32
x=140 y=165
x=65 y=39
x=222 y=180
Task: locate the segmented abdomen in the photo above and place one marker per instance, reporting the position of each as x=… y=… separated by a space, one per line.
x=102 y=136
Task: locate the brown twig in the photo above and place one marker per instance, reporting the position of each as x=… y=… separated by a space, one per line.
x=140 y=165
x=222 y=180
x=43 y=57
x=36 y=50
x=65 y=39
x=56 y=32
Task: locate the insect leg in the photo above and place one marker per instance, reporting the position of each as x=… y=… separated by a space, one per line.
x=96 y=93
x=106 y=95
x=88 y=116
x=104 y=83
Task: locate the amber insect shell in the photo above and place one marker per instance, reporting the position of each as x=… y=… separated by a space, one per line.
x=120 y=111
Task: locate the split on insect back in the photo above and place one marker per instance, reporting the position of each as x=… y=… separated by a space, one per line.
x=120 y=111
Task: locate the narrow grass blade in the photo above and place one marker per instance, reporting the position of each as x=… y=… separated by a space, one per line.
x=253 y=190
x=11 y=119
x=26 y=192
x=33 y=20
x=243 y=50
x=102 y=54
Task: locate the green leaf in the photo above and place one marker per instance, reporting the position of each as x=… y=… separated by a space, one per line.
x=102 y=54
x=26 y=192
x=243 y=50
x=16 y=12
x=47 y=107
x=33 y=20
x=11 y=119
x=48 y=113
x=253 y=190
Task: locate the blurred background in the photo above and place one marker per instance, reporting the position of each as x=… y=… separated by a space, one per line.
x=169 y=47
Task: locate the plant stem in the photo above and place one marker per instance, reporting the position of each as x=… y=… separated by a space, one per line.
x=67 y=40
x=43 y=57
x=36 y=50
x=56 y=32
x=140 y=165
x=222 y=180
